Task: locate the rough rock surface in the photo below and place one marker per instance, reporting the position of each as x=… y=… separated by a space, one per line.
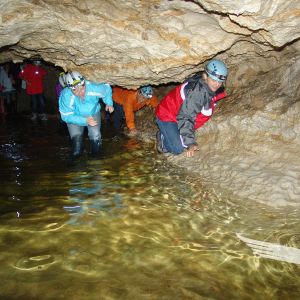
x=250 y=146
x=135 y=42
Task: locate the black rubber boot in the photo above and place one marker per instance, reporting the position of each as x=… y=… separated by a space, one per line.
x=95 y=147
x=77 y=146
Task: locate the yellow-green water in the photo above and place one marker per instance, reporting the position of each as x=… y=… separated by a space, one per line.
x=127 y=226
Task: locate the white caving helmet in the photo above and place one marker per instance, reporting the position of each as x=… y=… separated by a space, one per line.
x=74 y=79
x=62 y=79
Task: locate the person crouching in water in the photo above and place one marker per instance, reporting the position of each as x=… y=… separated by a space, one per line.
x=127 y=102
x=187 y=107
x=79 y=107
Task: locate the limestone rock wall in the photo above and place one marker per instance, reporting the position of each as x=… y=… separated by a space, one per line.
x=131 y=43
x=251 y=145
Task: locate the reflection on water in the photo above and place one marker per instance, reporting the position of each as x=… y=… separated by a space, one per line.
x=128 y=226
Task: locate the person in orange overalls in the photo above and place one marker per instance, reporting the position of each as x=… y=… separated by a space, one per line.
x=127 y=102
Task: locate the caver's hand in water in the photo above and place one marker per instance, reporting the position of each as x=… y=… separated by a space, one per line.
x=133 y=132
x=191 y=150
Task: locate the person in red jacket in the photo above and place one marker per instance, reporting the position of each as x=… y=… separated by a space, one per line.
x=33 y=75
x=187 y=107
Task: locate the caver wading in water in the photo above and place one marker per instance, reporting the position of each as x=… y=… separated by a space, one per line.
x=34 y=74
x=79 y=107
x=127 y=102
x=187 y=107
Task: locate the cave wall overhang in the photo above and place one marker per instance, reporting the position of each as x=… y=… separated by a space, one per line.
x=137 y=42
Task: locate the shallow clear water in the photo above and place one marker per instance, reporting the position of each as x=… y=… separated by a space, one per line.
x=127 y=226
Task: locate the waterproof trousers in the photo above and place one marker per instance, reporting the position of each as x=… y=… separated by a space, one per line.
x=76 y=133
x=171 y=138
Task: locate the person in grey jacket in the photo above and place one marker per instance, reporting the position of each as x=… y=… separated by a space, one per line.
x=187 y=107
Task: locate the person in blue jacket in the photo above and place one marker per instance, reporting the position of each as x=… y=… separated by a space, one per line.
x=79 y=107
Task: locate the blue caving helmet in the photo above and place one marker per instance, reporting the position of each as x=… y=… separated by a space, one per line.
x=216 y=70
x=147 y=91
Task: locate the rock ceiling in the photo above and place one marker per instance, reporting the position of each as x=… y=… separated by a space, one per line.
x=134 y=42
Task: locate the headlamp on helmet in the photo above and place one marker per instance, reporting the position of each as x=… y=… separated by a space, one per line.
x=37 y=62
x=217 y=70
x=147 y=91
x=74 y=79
